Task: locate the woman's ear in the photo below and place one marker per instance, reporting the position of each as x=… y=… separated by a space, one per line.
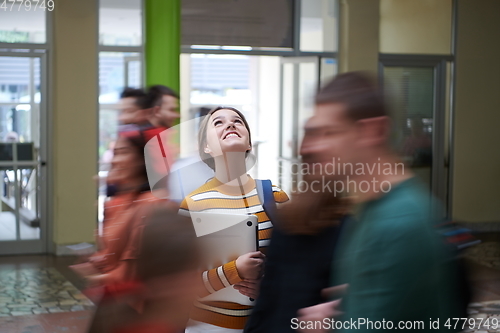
x=207 y=150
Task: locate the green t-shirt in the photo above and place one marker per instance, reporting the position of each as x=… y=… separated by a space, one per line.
x=397 y=266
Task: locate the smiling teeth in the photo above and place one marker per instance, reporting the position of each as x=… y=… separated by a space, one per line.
x=231 y=135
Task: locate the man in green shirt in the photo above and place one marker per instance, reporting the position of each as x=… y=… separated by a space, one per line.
x=398 y=273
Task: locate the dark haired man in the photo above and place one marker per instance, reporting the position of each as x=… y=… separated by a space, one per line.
x=164 y=104
x=131 y=107
x=161 y=108
x=151 y=114
x=397 y=268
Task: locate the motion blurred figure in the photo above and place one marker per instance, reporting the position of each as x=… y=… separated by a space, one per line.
x=163 y=104
x=161 y=108
x=298 y=263
x=165 y=285
x=396 y=266
x=131 y=107
x=151 y=113
x=124 y=214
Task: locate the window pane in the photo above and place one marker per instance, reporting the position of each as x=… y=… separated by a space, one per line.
x=22 y=26
x=108 y=131
x=328 y=69
x=288 y=110
x=411 y=92
x=117 y=70
x=120 y=22
x=318 y=26
x=15 y=74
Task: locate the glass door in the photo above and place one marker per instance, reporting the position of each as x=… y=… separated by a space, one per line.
x=301 y=78
x=416 y=91
x=22 y=203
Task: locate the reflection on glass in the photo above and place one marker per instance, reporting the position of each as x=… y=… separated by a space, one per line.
x=22 y=26
x=318 y=26
x=120 y=22
x=411 y=98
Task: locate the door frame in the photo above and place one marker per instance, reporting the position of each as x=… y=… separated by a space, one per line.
x=439 y=64
x=40 y=245
x=295 y=61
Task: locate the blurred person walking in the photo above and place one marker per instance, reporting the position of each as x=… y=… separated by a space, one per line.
x=163 y=103
x=132 y=116
x=151 y=113
x=124 y=214
x=397 y=267
x=298 y=262
x=161 y=108
x=155 y=108
x=224 y=142
x=131 y=107
x=166 y=281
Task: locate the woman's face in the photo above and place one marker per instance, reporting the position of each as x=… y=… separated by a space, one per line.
x=226 y=132
x=126 y=162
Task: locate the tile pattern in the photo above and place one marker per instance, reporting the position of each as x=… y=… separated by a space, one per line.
x=38 y=290
x=486 y=254
x=486 y=313
x=64 y=322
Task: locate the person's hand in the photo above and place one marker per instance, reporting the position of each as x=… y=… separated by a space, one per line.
x=99 y=261
x=250 y=265
x=318 y=313
x=334 y=292
x=248 y=287
x=95 y=280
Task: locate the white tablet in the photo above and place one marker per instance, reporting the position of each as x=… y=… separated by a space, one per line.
x=232 y=235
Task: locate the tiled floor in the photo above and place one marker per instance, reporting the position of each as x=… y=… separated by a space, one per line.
x=40 y=294
x=483 y=317
x=67 y=322
x=483 y=264
x=487 y=254
x=38 y=290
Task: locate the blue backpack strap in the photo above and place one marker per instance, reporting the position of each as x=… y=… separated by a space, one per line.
x=266 y=197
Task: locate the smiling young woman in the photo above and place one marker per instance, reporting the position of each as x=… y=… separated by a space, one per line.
x=224 y=142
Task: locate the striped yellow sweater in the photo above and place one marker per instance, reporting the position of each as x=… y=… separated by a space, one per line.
x=217 y=197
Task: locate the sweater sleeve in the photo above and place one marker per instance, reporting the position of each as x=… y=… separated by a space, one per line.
x=280 y=196
x=220 y=277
